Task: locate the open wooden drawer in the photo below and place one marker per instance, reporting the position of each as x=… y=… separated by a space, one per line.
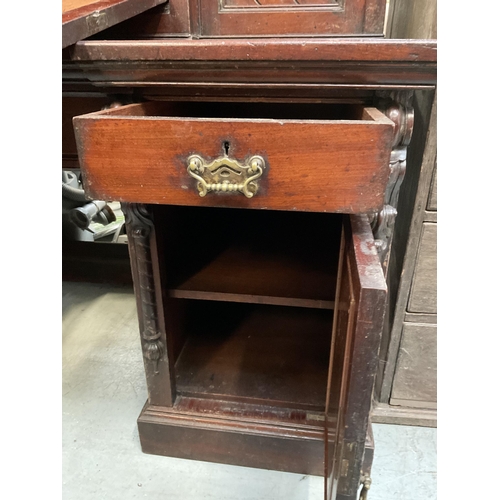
x=267 y=327
x=314 y=157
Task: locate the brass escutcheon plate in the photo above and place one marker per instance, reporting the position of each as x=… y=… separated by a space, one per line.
x=226 y=175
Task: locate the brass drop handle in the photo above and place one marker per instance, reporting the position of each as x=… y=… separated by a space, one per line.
x=226 y=175
x=366 y=486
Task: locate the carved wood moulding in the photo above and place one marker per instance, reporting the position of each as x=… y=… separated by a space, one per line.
x=139 y=225
x=397 y=107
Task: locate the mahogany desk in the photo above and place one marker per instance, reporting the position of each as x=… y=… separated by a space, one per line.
x=260 y=181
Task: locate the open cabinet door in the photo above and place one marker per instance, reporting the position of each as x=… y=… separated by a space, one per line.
x=357 y=328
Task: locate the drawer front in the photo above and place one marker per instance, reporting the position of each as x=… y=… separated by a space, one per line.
x=423 y=293
x=432 y=202
x=308 y=165
x=415 y=380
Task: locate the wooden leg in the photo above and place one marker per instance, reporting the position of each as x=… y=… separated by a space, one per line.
x=141 y=241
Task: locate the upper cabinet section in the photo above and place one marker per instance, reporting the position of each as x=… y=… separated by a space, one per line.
x=257 y=18
x=251 y=19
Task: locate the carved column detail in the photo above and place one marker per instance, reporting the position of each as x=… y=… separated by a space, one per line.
x=397 y=107
x=139 y=225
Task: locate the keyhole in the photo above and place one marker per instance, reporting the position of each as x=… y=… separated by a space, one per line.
x=226 y=148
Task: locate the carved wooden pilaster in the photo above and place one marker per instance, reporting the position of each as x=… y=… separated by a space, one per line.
x=139 y=225
x=397 y=107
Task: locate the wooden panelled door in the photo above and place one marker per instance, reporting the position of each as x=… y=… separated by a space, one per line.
x=243 y=18
x=357 y=327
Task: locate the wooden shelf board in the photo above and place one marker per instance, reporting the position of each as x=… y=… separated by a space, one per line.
x=256 y=353
x=251 y=299
x=259 y=274
x=267 y=259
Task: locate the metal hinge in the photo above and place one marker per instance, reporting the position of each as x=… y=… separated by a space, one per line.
x=348 y=458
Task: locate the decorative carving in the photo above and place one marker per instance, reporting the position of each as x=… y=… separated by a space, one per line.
x=384 y=223
x=139 y=225
x=397 y=106
x=397 y=165
x=226 y=175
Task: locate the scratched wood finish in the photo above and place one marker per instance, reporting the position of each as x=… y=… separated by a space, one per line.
x=237 y=18
x=132 y=154
x=350 y=17
x=252 y=68
x=206 y=430
x=170 y=19
x=80 y=19
x=271 y=49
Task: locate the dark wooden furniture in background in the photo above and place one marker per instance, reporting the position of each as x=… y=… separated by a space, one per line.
x=407 y=375
x=260 y=314
x=407 y=381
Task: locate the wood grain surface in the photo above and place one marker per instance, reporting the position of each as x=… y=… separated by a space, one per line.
x=170 y=19
x=68 y=5
x=250 y=68
x=135 y=155
x=270 y=49
x=81 y=18
x=352 y=17
x=357 y=340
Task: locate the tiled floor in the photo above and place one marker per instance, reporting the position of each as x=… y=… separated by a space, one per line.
x=104 y=390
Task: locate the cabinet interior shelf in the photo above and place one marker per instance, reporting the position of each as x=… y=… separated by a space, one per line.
x=248 y=300
x=255 y=353
x=278 y=258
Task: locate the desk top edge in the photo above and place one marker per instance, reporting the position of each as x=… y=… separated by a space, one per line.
x=271 y=49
